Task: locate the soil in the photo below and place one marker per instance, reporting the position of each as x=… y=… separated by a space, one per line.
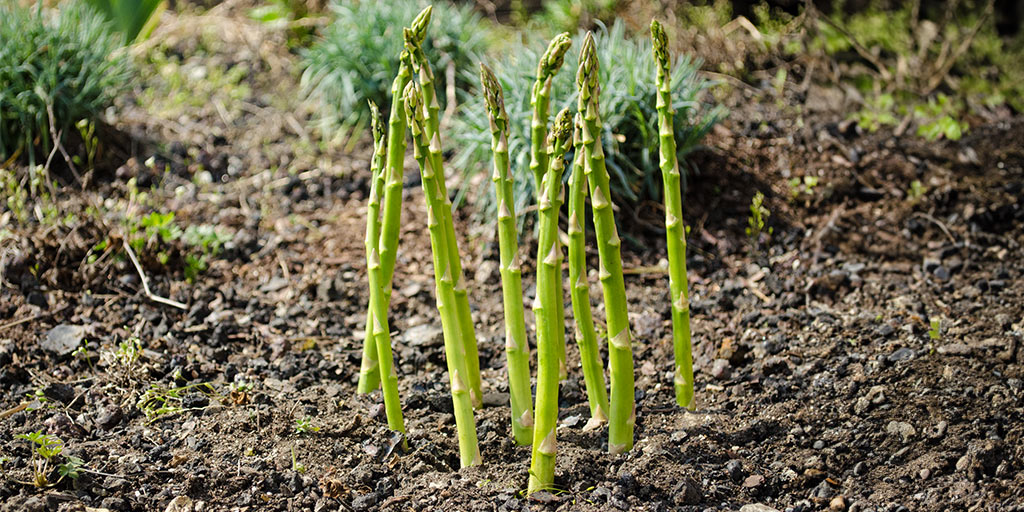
x=819 y=385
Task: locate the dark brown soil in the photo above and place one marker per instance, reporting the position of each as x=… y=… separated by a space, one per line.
x=819 y=386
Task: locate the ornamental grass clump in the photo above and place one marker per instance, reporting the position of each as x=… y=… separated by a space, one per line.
x=675 y=232
x=629 y=132
x=354 y=61
x=54 y=72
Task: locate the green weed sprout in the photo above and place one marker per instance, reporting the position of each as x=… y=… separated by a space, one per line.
x=45 y=449
x=675 y=232
x=759 y=214
x=586 y=335
x=549 y=299
x=517 y=348
x=305 y=426
x=378 y=297
x=622 y=414
x=438 y=205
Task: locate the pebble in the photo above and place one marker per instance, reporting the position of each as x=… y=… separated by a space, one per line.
x=720 y=369
x=838 y=504
x=901 y=428
x=860 y=468
x=902 y=354
x=819 y=444
x=63 y=339
x=942 y=273
x=753 y=481
x=364 y=501
x=757 y=507
x=735 y=470
x=954 y=349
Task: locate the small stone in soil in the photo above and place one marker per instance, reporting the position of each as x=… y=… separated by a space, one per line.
x=63 y=339
x=753 y=481
x=860 y=468
x=902 y=354
x=901 y=428
x=838 y=504
x=720 y=369
x=364 y=501
x=757 y=507
x=735 y=470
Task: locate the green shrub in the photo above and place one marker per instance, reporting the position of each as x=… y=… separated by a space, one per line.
x=67 y=62
x=630 y=131
x=357 y=57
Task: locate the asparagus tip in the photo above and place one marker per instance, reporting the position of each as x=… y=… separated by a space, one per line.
x=554 y=56
x=660 y=45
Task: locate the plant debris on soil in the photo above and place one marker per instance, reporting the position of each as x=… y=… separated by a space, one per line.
x=866 y=354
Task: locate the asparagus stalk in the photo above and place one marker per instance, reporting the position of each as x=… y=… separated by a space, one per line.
x=620 y=354
x=369 y=372
x=675 y=232
x=414 y=37
x=454 y=349
x=540 y=100
x=549 y=285
x=586 y=336
x=381 y=332
x=516 y=348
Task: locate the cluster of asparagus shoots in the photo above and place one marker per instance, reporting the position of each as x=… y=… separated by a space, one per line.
x=415 y=109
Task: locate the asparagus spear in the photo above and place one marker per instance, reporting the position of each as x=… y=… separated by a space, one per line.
x=454 y=349
x=586 y=336
x=549 y=285
x=381 y=332
x=516 y=348
x=540 y=99
x=369 y=373
x=675 y=232
x=414 y=37
x=620 y=354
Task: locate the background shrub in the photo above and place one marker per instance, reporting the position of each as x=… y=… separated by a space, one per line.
x=68 y=62
x=357 y=57
x=630 y=129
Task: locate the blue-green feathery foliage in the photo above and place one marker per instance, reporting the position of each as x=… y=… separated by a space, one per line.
x=357 y=57
x=68 y=63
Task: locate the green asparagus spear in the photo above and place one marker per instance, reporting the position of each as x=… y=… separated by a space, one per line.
x=517 y=349
x=675 y=232
x=381 y=332
x=454 y=349
x=586 y=336
x=622 y=412
x=414 y=37
x=369 y=373
x=549 y=286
